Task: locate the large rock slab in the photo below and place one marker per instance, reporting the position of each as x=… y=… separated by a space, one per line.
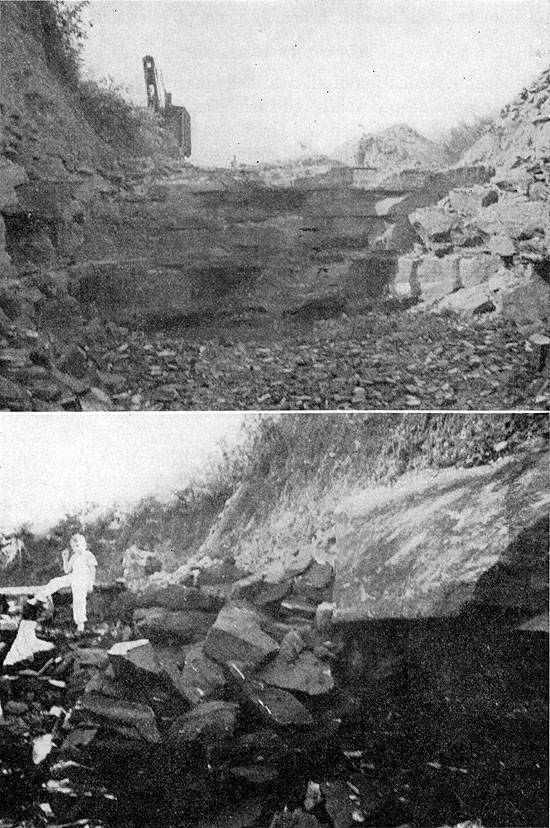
x=201 y=677
x=210 y=722
x=237 y=635
x=135 y=661
x=315 y=583
x=275 y=706
x=437 y=541
x=177 y=597
x=306 y=674
x=130 y=719
x=516 y=217
x=161 y=624
x=433 y=225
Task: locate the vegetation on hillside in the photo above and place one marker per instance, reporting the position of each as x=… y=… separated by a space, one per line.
x=458 y=139
x=64 y=33
x=104 y=103
x=279 y=453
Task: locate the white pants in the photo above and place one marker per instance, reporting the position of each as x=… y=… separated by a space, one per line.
x=79 y=589
x=26 y=644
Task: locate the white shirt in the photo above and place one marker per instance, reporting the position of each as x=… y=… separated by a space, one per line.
x=82 y=565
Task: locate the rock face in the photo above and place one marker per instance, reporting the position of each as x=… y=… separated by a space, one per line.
x=435 y=543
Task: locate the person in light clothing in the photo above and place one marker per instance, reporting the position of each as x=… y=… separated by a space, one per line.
x=79 y=571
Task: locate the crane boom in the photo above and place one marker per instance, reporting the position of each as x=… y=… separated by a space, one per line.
x=176 y=118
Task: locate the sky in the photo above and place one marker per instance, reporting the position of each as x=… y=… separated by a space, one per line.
x=270 y=79
x=57 y=464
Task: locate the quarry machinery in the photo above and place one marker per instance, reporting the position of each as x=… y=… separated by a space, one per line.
x=176 y=118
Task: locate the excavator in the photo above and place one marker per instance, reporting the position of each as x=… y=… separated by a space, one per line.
x=175 y=118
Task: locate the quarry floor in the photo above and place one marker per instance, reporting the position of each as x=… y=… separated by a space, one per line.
x=377 y=360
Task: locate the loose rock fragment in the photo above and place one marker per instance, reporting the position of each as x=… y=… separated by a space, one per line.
x=237 y=635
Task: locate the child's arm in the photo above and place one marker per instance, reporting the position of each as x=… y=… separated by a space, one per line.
x=67 y=562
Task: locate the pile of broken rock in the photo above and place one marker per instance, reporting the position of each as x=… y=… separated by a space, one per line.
x=491 y=242
x=226 y=708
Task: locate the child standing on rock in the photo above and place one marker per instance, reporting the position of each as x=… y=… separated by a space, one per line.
x=79 y=575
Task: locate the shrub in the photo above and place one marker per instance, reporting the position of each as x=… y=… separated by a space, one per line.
x=118 y=121
x=464 y=135
x=108 y=112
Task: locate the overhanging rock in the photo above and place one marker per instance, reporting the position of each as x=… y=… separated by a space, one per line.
x=437 y=541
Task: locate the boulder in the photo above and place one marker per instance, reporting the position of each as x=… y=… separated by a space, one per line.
x=502 y=245
x=529 y=303
x=515 y=217
x=96 y=400
x=276 y=707
x=433 y=225
x=297 y=607
x=202 y=678
x=466 y=299
x=272 y=594
x=315 y=582
x=291 y=646
x=177 y=597
x=209 y=723
x=323 y=616
x=137 y=566
x=469 y=200
x=135 y=661
x=161 y=624
x=237 y=635
x=130 y=719
x=305 y=674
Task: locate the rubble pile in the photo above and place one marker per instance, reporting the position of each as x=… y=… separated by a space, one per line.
x=488 y=246
x=230 y=698
x=200 y=717
x=521 y=137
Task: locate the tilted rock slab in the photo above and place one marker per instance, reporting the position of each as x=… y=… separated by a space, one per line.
x=130 y=719
x=162 y=624
x=237 y=635
x=437 y=541
x=307 y=674
x=135 y=661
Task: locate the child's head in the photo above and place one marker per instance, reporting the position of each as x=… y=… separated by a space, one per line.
x=78 y=543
